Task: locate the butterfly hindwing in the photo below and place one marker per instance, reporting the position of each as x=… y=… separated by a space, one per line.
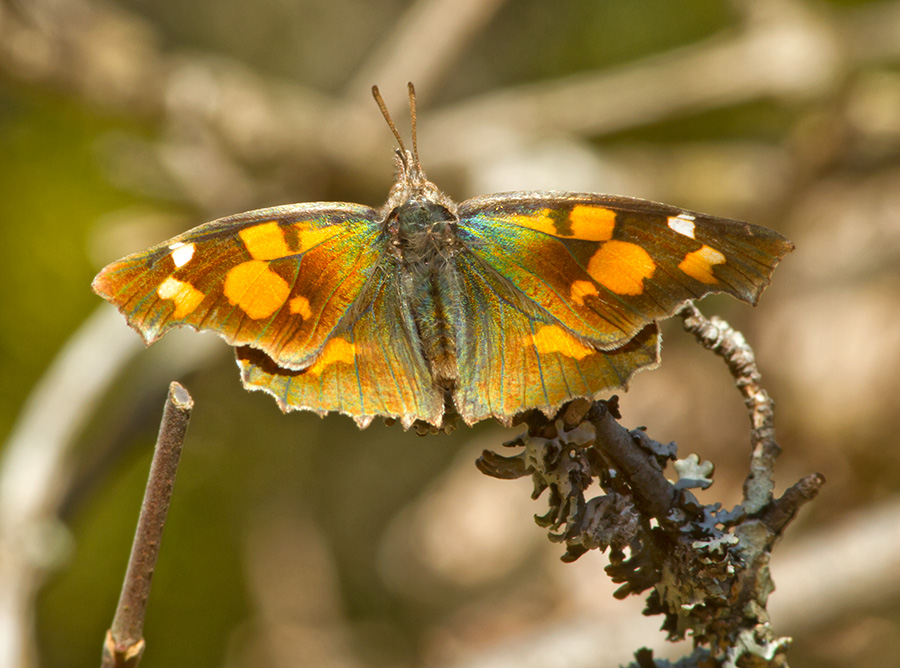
x=513 y=355
x=279 y=279
x=604 y=267
x=370 y=366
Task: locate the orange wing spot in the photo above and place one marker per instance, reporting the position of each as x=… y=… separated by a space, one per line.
x=538 y=221
x=255 y=289
x=300 y=304
x=554 y=339
x=265 y=241
x=621 y=267
x=699 y=264
x=336 y=350
x=311 y=237
x=580 y=290
x=185 y=296
x=592 y=223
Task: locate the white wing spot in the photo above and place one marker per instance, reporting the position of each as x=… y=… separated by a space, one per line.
x=683 y=223
x=181 y=253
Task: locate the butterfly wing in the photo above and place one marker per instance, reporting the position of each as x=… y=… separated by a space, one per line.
x=369 y=367
x=278 y=279
x=562 y=291
x=514 y=356
x=604 y=266
x=302 y=290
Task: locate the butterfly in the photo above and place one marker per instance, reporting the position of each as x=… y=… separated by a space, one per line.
x=425 y=309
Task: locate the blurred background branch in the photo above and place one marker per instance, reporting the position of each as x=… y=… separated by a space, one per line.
x=257 y=118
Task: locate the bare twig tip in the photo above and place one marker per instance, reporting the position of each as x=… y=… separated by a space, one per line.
x=126 y=656
x=179 y=396
x=126 y=632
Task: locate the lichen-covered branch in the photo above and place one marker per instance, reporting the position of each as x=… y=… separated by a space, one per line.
x=706 y=567
x=719 y=337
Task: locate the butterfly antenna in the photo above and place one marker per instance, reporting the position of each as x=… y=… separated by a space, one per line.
x=412 y=114
x=390 y=121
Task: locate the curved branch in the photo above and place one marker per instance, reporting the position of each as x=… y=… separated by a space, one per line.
x=719 y=337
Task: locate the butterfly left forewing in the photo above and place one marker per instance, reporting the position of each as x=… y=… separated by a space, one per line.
x=604 y=267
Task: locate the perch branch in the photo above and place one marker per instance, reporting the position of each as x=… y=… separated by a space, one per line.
x=654 y=495
x=706 y=567
x=124 y=643
x=719 y=337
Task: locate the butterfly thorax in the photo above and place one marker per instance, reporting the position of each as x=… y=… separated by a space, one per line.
x=421 y=225
x=423 y=233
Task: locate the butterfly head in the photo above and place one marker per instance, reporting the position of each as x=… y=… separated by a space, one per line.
x=419 y=214
x=411 y=182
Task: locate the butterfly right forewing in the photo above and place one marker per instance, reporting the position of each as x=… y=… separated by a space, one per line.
x=279 y=279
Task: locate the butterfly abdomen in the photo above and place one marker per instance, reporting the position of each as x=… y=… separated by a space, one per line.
x=433 y=302
x=425 y=243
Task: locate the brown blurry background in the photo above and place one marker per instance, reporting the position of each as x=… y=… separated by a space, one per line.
x=297 y=541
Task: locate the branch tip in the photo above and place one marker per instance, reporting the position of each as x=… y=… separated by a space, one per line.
x=124 y=643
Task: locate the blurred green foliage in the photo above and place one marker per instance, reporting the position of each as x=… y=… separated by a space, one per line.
x=51 y=193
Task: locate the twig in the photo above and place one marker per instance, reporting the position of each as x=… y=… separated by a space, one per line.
x=719 y=337
x=124 y=643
